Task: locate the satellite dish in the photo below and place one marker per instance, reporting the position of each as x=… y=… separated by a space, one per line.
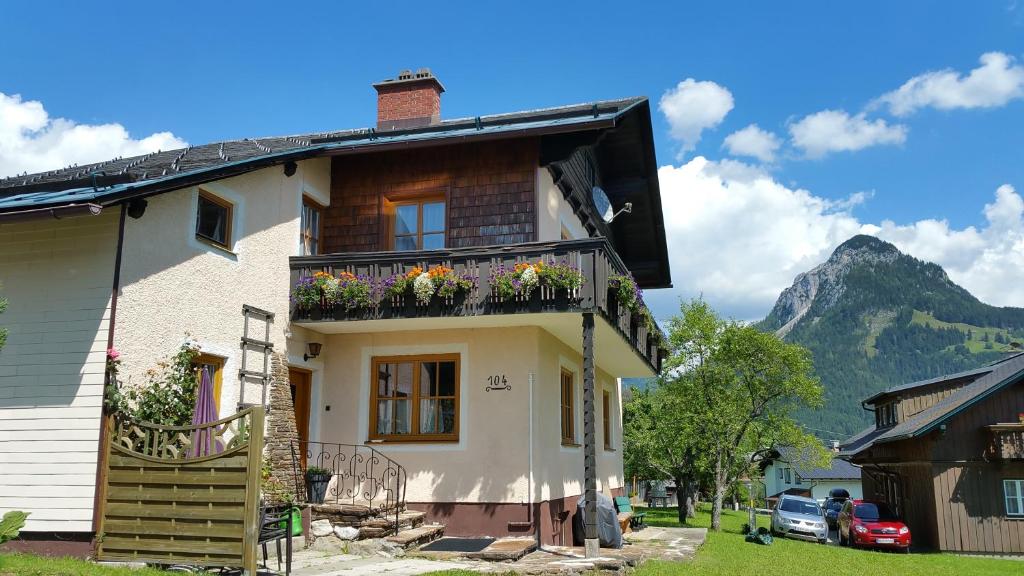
x=602 y=203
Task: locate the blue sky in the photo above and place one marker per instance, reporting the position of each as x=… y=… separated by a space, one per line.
x=218 y=70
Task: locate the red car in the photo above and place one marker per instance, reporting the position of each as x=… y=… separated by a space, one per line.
x=872 y=525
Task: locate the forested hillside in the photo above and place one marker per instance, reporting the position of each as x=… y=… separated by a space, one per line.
x=874 y=317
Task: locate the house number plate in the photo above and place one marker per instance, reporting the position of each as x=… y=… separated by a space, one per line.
x=497 y=382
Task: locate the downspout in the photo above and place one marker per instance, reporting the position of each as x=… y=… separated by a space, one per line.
x=529 y=481
x=101 y=460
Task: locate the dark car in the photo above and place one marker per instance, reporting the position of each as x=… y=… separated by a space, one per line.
x=832 y=507
x=868 y=524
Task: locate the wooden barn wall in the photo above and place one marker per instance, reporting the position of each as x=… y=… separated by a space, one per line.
x=970 y=508
x=490 y=189
x=966 y=437
x=913 y=401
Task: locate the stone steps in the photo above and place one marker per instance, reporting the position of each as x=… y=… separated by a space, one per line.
x=414 y=537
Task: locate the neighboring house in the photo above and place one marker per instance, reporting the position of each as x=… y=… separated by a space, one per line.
x=137 y=253
x=784 y=471
x=948 y=455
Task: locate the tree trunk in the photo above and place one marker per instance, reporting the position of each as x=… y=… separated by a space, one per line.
x=691 y=498
x=680 y=501
x=719 y=496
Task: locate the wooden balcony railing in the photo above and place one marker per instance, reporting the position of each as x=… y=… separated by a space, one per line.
x=594 y=257
x=1007 y=441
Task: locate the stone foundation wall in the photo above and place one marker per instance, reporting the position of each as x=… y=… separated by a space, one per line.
x=281 y=433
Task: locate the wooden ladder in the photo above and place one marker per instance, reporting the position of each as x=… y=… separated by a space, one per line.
x=261 y=346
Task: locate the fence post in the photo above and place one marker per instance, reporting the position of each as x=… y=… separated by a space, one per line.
x=252 y=492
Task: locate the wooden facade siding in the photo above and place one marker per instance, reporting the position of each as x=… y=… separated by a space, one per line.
x=913 y=401
x=951 y=482
x=489 y=188
x=57 y=278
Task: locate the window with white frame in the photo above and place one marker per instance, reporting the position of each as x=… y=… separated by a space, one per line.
x=1013 y=494
x=780 y=473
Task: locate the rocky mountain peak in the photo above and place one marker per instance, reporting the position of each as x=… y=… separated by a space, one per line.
x=825 y=281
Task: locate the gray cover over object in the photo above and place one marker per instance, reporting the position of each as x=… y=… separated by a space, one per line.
x=609 y=533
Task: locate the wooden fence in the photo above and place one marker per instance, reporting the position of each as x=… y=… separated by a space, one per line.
x=168 y=498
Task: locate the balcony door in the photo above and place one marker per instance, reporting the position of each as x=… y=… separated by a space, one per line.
x=300 y=382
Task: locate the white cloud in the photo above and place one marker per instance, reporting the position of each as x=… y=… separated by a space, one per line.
x=739 y=237
x=32 y=141
x=994 y=83
x=753 y=141
x=692 y=107
x=836 y=131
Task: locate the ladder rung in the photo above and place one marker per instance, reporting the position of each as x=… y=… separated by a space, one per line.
x=257 y=343
x=246 y=309
x=251 y=374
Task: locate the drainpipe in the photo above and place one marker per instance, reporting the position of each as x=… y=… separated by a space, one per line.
x=529 y=481
x=101 y=460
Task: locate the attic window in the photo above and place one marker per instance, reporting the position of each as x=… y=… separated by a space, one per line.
x=886 y=415
x=213 y=220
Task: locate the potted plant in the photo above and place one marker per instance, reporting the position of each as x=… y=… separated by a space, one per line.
x=313 y=294
x=520 y=281
x=317 y=479
x=351 y=293
x=565 y=281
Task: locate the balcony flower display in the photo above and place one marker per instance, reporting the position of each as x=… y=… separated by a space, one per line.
x=311 y=291
x=628 y=294
x=353 y=291
x=561 y=276
x=440 y=280
x=524 y=277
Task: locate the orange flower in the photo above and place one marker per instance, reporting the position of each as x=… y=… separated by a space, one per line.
x=439 y=271
x=416 y=271
x=346 y=276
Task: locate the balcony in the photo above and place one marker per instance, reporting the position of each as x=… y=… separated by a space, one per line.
x=484 y=290
x=1007 y=441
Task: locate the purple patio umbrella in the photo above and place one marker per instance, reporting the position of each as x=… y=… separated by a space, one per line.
x=205 y=441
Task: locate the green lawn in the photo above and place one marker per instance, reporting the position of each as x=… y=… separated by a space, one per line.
x=29 y=565
x=726 y=553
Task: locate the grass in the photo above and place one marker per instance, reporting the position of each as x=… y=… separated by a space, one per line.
x=975 y=344
x=726 y=553
x=30 y=565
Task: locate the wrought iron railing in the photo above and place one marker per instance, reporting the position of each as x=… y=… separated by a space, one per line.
x=596 y=259
x=361 y=475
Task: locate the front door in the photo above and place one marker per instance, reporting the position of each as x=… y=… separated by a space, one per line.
x=300 y=382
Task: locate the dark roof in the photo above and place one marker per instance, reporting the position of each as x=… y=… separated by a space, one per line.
x=621 y=128
x=967 y=376
x=998 y=375
x=33 y=188
x=839 y=470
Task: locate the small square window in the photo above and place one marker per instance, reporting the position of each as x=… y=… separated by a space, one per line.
x=213 y=220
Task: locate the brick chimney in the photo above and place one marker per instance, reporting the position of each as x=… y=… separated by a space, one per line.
x=409 y=101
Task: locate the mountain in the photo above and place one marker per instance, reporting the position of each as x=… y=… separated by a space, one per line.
x=874 y=317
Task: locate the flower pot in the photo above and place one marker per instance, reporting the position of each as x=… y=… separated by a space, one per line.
x=561 y=299
x=613 y=305
x=534 y=303
x=316 y=313
x=316 y=487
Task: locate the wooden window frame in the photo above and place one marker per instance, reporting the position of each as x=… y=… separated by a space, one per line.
x=308 y=201
x=567 y=411
x=218 y=374
x=389 y=210
x=229 y=219
x=414 y=424
x=606 y=424
x=789 y=476
x=1020 y=497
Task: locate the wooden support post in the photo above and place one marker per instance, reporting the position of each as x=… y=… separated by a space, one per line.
x=592 y=544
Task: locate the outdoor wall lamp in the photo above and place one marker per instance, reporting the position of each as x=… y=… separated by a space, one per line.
x=312 y=350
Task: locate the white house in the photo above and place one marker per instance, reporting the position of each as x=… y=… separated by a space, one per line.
x=481 y=401
x=786 y=472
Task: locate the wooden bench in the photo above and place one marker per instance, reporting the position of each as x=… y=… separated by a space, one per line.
x=627 y=517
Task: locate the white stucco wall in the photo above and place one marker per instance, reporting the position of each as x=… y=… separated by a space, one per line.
x=174 y=286
x=819 y=488
x=553 y=212
x=491 y=462
x=57 y=276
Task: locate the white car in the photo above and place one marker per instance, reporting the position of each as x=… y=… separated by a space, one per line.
x=799 y=517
